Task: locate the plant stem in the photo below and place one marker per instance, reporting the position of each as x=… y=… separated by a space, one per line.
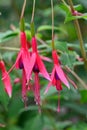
x=65 y=3
x=23 y=9
x=76 y=76
x=9 y=48
x=78 y=33
x=53 y=46
x=42 y=42
x=22 y=23
x=33 y=11
x=32 y=20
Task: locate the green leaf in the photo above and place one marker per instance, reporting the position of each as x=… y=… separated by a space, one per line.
x=69 y=17
x=48 y=27
x=62 y=46
x=78 y=126
x=70 y=95
x=51 y=124
x=15 y=106
x=59 y=45
x=51 y=92
x=79 y=108
x=78 y=7
x=83 y=96
x=66 y=8
x=5 y=36
x=34 y=123
x=84 y=16
x=68 y=59
x=14 y=128
x=63 y=124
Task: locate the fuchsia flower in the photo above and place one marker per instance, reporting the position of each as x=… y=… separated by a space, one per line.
x=22 y=61
x=6 y=79
x=57 y=76
x=37 y=66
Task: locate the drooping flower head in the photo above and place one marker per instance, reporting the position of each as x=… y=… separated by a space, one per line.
x=6 y=79
x=37 y=66
x=57 y=76
x=22 y=60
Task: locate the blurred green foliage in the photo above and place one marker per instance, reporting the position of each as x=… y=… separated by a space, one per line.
x=73 y=114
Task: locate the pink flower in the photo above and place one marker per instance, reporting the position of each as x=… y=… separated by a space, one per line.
x=57 y=75
x=37 y=66
x=6 y=79
x=22 y=61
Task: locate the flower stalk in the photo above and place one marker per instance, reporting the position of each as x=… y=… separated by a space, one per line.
x=76 y=76
x=23 y=9
x=53 y=45
x=33 y=11
x=83 y=52
x=9 y=48
x=32 y=20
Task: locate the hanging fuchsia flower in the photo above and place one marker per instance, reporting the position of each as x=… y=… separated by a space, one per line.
x=22 y=61
x=6 y=79
x=57 y=76
x=37 y=66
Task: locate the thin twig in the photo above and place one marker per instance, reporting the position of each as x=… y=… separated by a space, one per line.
x=42 y=42
x=76 y=76
x=79 y=34
x=23 y=9
x=72 y=82
x=53 y=46
x=33 y=11
x=9 y=48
